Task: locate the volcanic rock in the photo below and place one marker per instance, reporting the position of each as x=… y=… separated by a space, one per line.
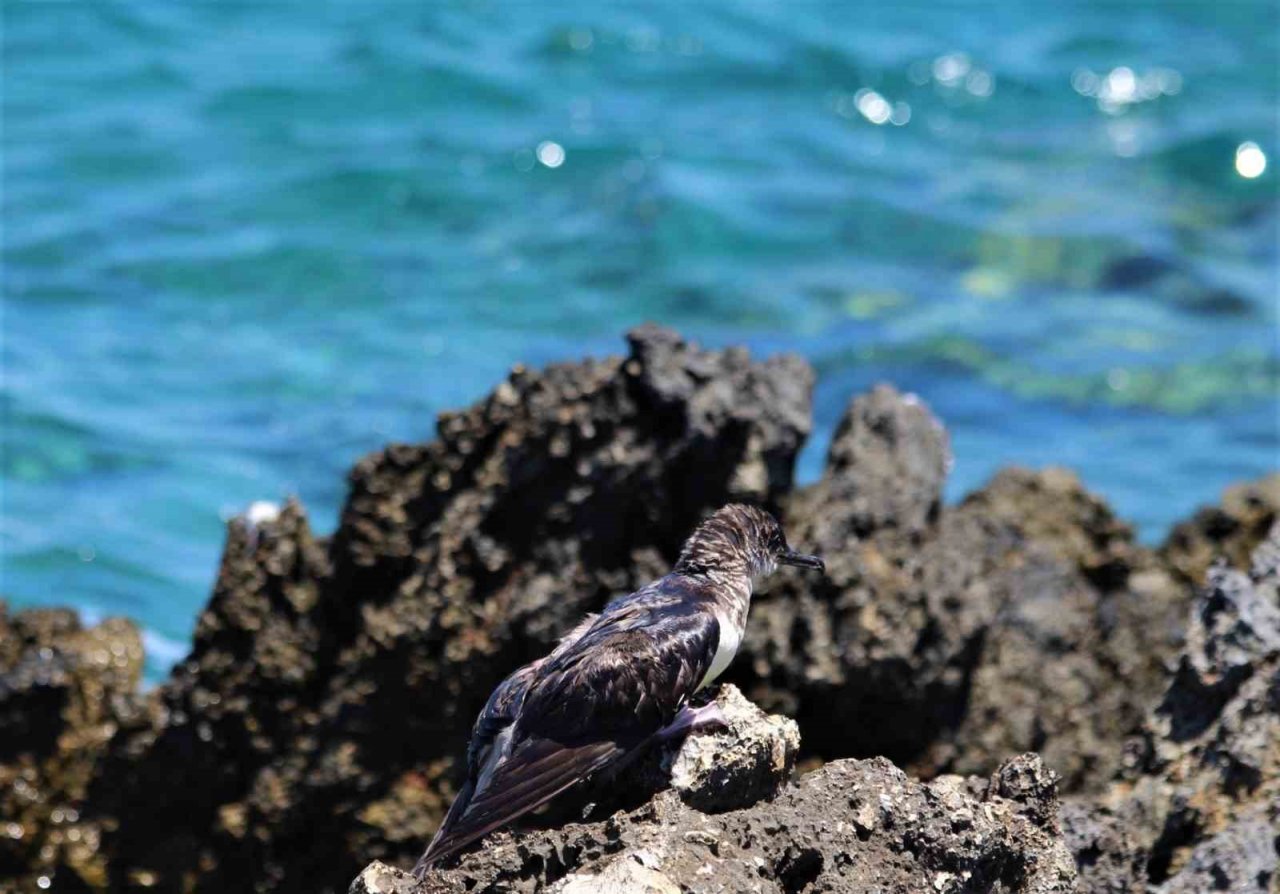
x=64 y=691
x=332 y=685
x=1026 y=618
x=319 y=720
x=851 y=826
x=1206 y=768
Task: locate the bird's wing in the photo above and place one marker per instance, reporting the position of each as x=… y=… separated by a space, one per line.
x=628 y=674
x=589 y=705
x=504 y=703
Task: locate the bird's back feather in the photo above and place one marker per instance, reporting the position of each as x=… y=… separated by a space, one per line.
x=589 y=705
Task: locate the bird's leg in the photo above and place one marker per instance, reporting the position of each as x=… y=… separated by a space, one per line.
x=690 y=720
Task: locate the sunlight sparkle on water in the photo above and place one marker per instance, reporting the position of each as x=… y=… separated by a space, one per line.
x=1123 y=87
x=551 y=154
x=871 y=105
x=953 y=71
x=951 y=68
x=874 y=107
x=1251 y=161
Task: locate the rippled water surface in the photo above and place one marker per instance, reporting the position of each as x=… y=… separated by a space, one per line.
x=246 y=243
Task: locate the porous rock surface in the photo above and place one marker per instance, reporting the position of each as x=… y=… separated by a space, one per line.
x=1199 y=796
x=332 y=684
x=318 y=721
x=1025 y=618
x=718 y=769
x=850 y=826
x=64 y=692
x=748 y=761
x=1229 y=530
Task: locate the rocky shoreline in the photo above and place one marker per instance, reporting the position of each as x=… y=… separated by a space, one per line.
x=316 y=725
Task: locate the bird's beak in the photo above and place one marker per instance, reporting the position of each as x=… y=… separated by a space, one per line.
x=800 y=560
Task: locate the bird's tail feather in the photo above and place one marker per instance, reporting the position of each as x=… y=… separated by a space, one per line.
x=536 y=771
x=456 y=809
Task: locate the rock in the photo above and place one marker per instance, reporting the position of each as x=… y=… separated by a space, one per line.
x=64 y=691
x=849 y=826
x=1206 y=767
x=746 y=763
x=1230 y=530
x=1241 y=859
x=622 y=876
x=1109 y=857
x=886 y=468
x=712 y=770
x=233 y=705
x=892 y=628
x=379 y=878
x=319 y=719
x=1075 y=655
x=1026 y=618
x=1026 y=780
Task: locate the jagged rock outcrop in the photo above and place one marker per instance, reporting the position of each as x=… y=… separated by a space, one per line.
x=1026 y=618
x=64 y=691
x=1203 y=778
x=1229 y=530
x=850 y=826
x=319 y=720
x=1075 y=656
x=332 y=684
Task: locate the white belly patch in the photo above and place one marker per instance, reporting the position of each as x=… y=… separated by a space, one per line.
x=730 y=639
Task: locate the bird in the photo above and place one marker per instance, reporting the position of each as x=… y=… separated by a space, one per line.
x=620 y=680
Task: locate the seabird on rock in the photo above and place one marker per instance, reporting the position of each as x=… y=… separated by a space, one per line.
x=619 y=681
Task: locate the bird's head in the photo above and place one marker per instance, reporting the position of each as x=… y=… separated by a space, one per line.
x=740 y=540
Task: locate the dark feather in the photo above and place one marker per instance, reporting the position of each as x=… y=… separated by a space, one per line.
x=589 y=705
x=536 y=772
x=435 y=850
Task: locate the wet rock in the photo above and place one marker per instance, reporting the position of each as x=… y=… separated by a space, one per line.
x=318 y=722
x=849 y=826
x=64 y=691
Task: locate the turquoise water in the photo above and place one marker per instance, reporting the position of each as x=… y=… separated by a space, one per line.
x=246 y=243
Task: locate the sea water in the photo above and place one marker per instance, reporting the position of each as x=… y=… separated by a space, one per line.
x=244 y=244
